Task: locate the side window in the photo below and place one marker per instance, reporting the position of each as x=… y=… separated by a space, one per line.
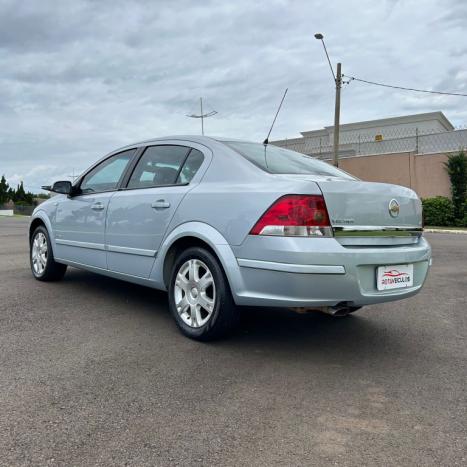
x=105 y=176
x=191 y=166
x=158 y=166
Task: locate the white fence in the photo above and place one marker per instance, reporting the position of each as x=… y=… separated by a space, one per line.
x=6 y=212
x=393 y=143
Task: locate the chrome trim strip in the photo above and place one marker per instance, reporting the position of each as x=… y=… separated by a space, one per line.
x=293 y=268
x=131 y=251
x=92 y=246
x=377 y=231
x=359 y=241
x=112 y=248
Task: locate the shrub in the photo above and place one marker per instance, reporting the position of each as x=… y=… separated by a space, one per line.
x=438 y=211
x=463 y=222
x=456 y=167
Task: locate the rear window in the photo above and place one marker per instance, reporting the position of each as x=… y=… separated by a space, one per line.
x=158 y=166
x=277 y=160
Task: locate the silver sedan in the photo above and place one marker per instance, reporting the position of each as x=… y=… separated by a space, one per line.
x=221 y=223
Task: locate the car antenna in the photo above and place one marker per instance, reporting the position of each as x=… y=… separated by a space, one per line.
x=266 y=141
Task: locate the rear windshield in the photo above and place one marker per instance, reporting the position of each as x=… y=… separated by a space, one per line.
x=277 y=160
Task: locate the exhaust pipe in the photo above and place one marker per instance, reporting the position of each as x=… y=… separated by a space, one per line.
x=337 y=310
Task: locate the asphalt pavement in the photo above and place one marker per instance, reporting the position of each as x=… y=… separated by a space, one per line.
x=94 y=372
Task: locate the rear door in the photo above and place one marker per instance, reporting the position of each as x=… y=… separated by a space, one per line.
x=139 y=214
x=80 y=219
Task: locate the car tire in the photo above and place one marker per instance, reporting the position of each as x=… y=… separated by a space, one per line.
x=200 y=299
x=43 y=265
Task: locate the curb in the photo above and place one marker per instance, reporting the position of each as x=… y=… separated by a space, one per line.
x=449 y=231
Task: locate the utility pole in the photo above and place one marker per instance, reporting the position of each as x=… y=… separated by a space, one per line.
x=202 y=116
x=337 y=108
x=337 y=113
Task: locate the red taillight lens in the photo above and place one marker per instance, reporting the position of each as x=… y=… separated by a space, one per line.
x=295 y=216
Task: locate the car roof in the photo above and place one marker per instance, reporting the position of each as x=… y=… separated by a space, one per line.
x=206 y=140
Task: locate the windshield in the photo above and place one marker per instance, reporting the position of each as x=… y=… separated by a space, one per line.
x=277 y=160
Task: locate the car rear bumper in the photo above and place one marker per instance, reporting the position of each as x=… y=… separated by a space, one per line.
x=305 y=272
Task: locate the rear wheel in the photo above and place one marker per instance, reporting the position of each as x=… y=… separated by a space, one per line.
x=199 y=296
x=43 y=265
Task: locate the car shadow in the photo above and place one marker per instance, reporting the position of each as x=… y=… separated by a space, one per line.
x=363 y=335
x=357 y=336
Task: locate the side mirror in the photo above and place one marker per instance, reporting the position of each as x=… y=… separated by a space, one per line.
x=63 y=187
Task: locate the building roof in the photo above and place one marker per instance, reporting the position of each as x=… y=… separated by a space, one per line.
x=404 y=119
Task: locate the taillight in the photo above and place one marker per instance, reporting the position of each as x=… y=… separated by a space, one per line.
x=295 y=216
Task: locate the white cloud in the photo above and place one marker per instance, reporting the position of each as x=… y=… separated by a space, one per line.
x=82 y=78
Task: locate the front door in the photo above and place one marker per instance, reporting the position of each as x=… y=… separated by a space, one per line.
x=80 y=219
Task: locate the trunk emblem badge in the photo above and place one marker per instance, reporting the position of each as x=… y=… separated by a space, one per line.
x=394 y=208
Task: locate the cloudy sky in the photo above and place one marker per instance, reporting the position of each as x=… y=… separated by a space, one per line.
x=79 y=78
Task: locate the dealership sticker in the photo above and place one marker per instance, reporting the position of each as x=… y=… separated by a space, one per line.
x=394 y=277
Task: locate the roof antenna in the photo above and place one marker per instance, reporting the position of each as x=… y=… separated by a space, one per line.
x=266 y=141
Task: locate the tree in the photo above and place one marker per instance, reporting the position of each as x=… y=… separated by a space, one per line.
x=23 y=197
x=456 y=167
x=11 y=194
x=20 y=194
x=4 y=187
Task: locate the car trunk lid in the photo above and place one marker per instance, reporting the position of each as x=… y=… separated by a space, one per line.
x=368 y=213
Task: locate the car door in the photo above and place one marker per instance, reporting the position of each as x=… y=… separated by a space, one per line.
x=80 y=219
x=139 y=214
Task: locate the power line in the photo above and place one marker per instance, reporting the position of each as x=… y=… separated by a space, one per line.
x=353 y=78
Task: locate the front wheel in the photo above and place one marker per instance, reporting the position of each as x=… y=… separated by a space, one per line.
x=43 y=265
x=199 y=296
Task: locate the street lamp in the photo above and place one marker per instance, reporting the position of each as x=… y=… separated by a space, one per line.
x=337 y=108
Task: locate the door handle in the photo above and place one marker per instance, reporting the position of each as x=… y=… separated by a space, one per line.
x=97 y=206
x=160 y=204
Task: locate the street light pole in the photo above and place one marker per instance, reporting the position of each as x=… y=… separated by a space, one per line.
x=337 y=109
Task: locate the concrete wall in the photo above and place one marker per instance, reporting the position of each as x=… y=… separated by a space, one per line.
x=424 y=173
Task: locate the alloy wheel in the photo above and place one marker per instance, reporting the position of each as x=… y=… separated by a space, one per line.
x=194 y=293
x=39 y=253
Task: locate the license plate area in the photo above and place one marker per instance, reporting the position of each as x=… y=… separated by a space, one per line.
x=395 y=276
